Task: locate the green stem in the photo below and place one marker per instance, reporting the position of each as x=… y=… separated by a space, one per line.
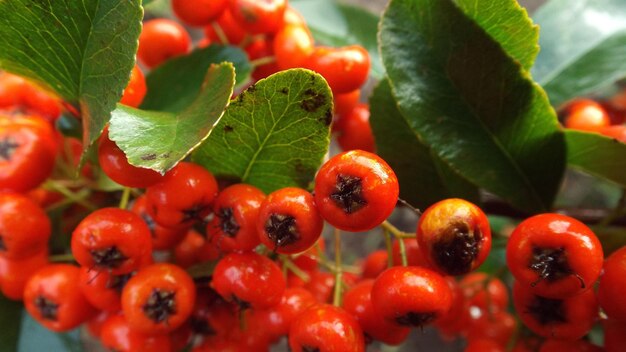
x=337 y=295
x=289 y=265
x=125 y=197
x=389 y=246
x=386 y=225
x=405 y=262
x=67 y=193
x=61 y=258
x=263 y=61
x=220 y=33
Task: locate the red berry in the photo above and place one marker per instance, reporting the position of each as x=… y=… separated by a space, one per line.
x=112 y=239
x=198 y=13
x=258 y=16
x=24 y=227
x=276 y=320
x=289 y=221
x=586 y=115
x=411 y=296
x=15 y=273
x=454 y=236
x=554 y=255
x=614 y=335
x=617 y=132
x=374 y=264
x=485 y=292
x=136 y=89
x=234 y=225
x=356 y=132
x=612 y=284
x=53 y=298
x=101 y=289
x=569 y=318
x=356 y=191
x=183 y=197
x=114 y=163
x=357 y=301
x=326 y=328
x=345 y=69
x=232 y=31
x=162 y=237
x=484 y=345
x=498 y=326
x=292 y=46
x=117 y=335
x=249 y=279
x=158 y=299
x=160 y=40
x=554 y=345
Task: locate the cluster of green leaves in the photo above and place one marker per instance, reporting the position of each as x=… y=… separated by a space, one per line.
x=467 y=92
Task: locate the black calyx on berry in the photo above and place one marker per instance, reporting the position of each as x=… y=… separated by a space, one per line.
x=109 y=258
x=47 y=308
x=281 y=229
x=457 y=248
x=160 y=305
x=7 y=148
x=547 y=310
x=348 y=194
x=227 y=222
x=551 y=264
x=412 y=319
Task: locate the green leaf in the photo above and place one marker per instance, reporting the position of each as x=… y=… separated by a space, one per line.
x=339 y=25
x=508 y=24
x=11 y=321
x=597 y=155
x=35 y=337
x=424 y=178
x=471 y=103
x=159 y=140
x=274 y=135
x=83 y=50
x=583 y=47
x=175 y=84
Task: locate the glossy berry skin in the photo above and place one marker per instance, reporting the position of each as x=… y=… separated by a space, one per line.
x=276 y=320
x=258 y=16
x=612 y=283
x=234 y=223
x=484 y=345
x=554 y=345
x=292 y=46
x=101 y=289
x=117 y=335
x=135 y=90
x=114 y=163
x=357 y=301
x=112 y=239
x=414 y=256
x=158 y=299
x=27 y=153
x=617 y=132
x=497 y=325
x=249 y=279
x=356 y=132
x=411 y=296
x=554 y=255
x=569 y=318
x=163 y=238
x=15 y=273
x=345 y=69
x=375 y=263
x=326 y=328
x=454 y=236
x=160 y=40
x=198 y=13
x=183 y=197
x=343 y=104
x=586 y=115
x=356 y=191
x=52 y=297
x=24 y=227
x=288 y=221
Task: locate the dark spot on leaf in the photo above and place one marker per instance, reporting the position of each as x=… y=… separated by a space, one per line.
x=285 y=90
x=252 y=88
x=328 y=118
x=313 y=101
x=149 y=157
x=165 y=155
x=228 y=128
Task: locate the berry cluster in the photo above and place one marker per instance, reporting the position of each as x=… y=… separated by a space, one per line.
x=184 y=260
x=606 y=118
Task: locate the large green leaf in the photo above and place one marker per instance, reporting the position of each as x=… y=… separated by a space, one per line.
x=598 y=155
x=583 y=46
x=159 y=140
x=83 y=50
x=10 y=320
x=175 y=84
x=35 y=337
x=424 y=178
x=508 y=23
x=471 y=103
x=274 y=135
x=336 y=24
